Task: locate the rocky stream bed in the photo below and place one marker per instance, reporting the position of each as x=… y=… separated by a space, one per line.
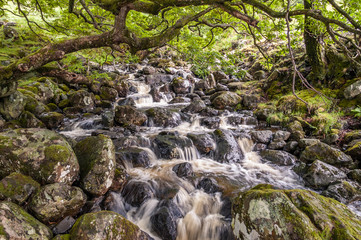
x=159 y=154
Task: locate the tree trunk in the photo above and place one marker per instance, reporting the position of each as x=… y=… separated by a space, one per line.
x=313 y=47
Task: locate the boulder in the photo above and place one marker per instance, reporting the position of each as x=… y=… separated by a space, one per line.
x=137 y=192
x=168 y=143
x=354 y=150
x=351 y=136
x=327 y=154
x=17 y=188
x=56 y=201
x=228 y=149
x=219 y=75
x=344 y=192
x=195 y=107
x=279 y=157
x=181 y=85
x=353 y=90
x=39 y=153
x=183 y=170
x=106 y=225
x=28 y=120
x=64 y=225
x=209 y=185
x=52 y=120
x=12 y=106
x=164 y=222
x=226 y=99
x=96 y=157
x=263 y=136
x=355 y=175
x=203 y=142
x=277 y=145
x=136 y=157
x=128 y=115
x=266 y=213
x=281 y=135
x=162 y=117
x=211 y=122
x=16 y=223
x=306 y=142
x=319 y=175
x=107 y=93
x=296 y=130
x=291 y=146
x=82 y=99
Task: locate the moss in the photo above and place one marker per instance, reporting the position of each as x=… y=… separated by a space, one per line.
x=52 y=106
x=64 y=103
x=54 y=155
x=354 y=147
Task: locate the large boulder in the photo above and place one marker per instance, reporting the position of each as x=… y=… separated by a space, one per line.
x=16 y=223
x=82 y=99
x=319 y=175
x=162 y=117
x=228 y=149
x=226 y=99
x=96 y=157
x=133 y=157
x=203 y=142
x=181 y=85
x=39 y=153
x=353 y=90
x=137 y=192
x=327 y=154
x=279 y=157
x=128 y=115
x=11 y=107
x=17 y=188
x=266 y=213
x=56 y=201
x=106 y=225
x=168 y=145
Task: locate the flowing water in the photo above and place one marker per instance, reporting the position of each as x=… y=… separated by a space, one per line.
x=203 y=215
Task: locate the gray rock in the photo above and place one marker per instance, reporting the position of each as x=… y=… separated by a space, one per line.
x=64 y=225
x=203 y=142
x=82 y=99
x=211 y=122
x=162 y=117
x=195 y=107
x=129 y=115
x=353 y=90
x=277 y=145
x=281 y=135
x=279 y=157
x=305 y=142
x=96 y=157
x=56 y=201
x=181 y=85
x=296 y=130
x=264 y=136
x=291 y=146
x=225 y=99
x=133 y=157
x=168 y=143
x=344 y=192
x=228 y=150
x=12 y=106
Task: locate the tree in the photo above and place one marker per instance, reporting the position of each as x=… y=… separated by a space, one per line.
x=168 y=18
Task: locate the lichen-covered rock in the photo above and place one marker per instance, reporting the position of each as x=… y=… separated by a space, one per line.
x=226 y=99
x=327 y=154
x=82 y=99
x=228 y=150
x=265 y=213
x=107 y=93
x=343 y=191
x=17 y=188
x=56 y=201
x=11 y=107
x=354 y=150
x=181 y=85
x=281 y=135
x=296 y=130
x=203 y=142
x=106 y=225
x=52 y=120
x=16 y=223
x=96 y=158
x=128 y=115
x=264 y=136
x=279 y=157
x=39 y=153
x=319 y=175
x=161 y=117
x=353 y=90
x=28 y=120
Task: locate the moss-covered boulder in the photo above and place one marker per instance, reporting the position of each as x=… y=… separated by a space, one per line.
x=355 y=150
x=181 y=85
x=107 y=93
x=296 y=130
x=106 y=225
x=225 y=99
x=129 y=115
x=56 y=201
x=96 y=158
x=34 y=106
x=12 y=106
x=17 y=188
x=39 y=153
x=167 y=145
x=82 y=99
x=266 y=213
x=327 y=154
x=52 y=120
x=161 y=117
x=61 y=237
x=343 y=191
x=16 y=223
x=28 y=120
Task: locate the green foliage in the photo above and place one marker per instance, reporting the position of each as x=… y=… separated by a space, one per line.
x=356 y=112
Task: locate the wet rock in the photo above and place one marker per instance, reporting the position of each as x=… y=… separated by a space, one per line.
x=164 y=223
x=259 y=147
x=107 y=93
x=39 y=153
x=351 y=136
x=180 y=100
x=343 y=192
x=114 y=202
x=136 y=157
x=195 y=107
x=353 y=90
x=120 y=179
x=106 y=225
x=128 y=115
x=291 y=146
x=122 y=88
x=183 y=170
x=17 y=188
x=211 y=122
x=355 y=175
x=28 y=120
x=11 y=107
x=209 y=112
x=226 y=99
x=97 y=163
x=52 y=120
x=266 y=213
x=148 y=70
x=168 y=143
x=16 y=223
x=221 y=87
x=126 y=101
x=54 y=202
x=208 y=185
x=161 y=117
x=181 y=85
x=279 y=157
x=108 y=118
x=354 y=150
x=203 y=142
x=281 y=135
x=228 y=150
x=158 y=79
x=61 y=237
x=82 y=99
x=64 y=225
x=277 y=145
x=264 y=136
x=249 y=121
x=296 y=130
x=202 y=85
x=327 y=154
x=305 y=142
x=319 y=175
x=250 y=101
x=137 y=192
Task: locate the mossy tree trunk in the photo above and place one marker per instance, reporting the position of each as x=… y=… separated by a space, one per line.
x=313 y=47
